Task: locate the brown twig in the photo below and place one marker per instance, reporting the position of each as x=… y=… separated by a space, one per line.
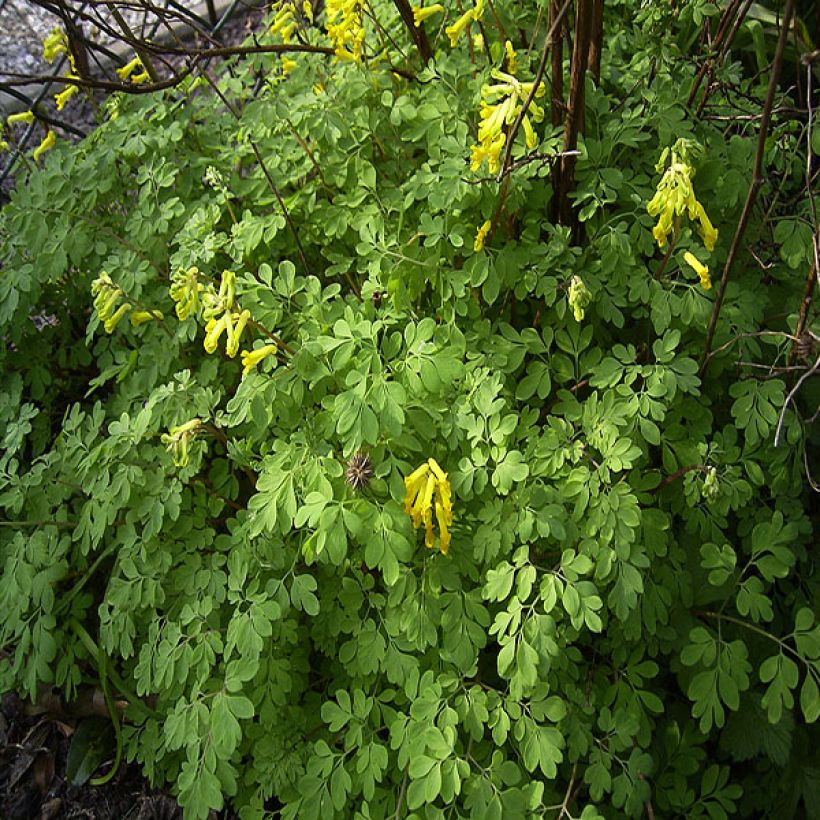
x=671 y=479
x=757 y=181
x=574 y=120
x=417 y=33
x=596 y=40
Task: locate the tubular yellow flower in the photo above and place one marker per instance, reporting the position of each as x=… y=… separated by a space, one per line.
x=454 y=31
x=481 y=236
x=442 y=518
x=700 y=269
x=251 y=358
x=213 y=330
x=235 y=333
x=177 y=440
x=55 y=44
x=125 y=72
x=65 y=95
x=428 y=490
x=288 y=65
x=112 y=321
x=139 y=317
x=420 y=14
x=512 y=62
x=23 y=116
x=707 y=231
x=307 y=10
x=47 y=144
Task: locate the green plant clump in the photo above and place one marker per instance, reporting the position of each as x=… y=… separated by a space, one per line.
x=274 y=303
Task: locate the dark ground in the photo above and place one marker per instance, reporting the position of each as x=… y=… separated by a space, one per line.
x=34 y=786
x=34 y=743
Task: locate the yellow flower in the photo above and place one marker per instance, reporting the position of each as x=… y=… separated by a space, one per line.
x=4 y=146
x=307 y=10
x=24 y=116
x=129 y=68
x=288 y=65
x=127 y=72
x=178 y=438
x=235 y=333
x=675 y=197
x=707 y=231
x=251 y=358
x=700 y=269
x=185 y=289
x=478 y=245
x=55 y=44
x=501 y=103
x=454 y=31
x=213 y=330
x=65 y=95
x=578 y=298
x=139 y=317
x=487 y=151
x=512 y=62
x=47 y=144
x=345 y=29
x=420 y=14
x=114 y=319
x=428 y=489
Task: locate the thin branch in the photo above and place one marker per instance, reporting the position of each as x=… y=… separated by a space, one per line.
x=539 y=75
x=757 y=181
x=792 y=393
x=271 y=184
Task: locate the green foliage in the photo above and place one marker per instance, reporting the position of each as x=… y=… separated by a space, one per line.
x=628 y=610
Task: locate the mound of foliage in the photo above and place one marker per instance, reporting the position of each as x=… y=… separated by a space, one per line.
x=238 y=316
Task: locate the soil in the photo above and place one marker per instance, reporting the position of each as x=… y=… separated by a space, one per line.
x=34 y=786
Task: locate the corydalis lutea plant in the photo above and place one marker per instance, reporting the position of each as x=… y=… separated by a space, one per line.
x=628 y=585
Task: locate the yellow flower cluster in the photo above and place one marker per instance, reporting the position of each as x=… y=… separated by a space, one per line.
x=578 y=298
x=285 y=23
x=220 y=317
x=501 y=104
x=55 y=44
x=107 y=298
x=474 y=15
x=427 y=488
x=674 y=197
x=185 y=289
x=178 y=439
x=345 y=29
